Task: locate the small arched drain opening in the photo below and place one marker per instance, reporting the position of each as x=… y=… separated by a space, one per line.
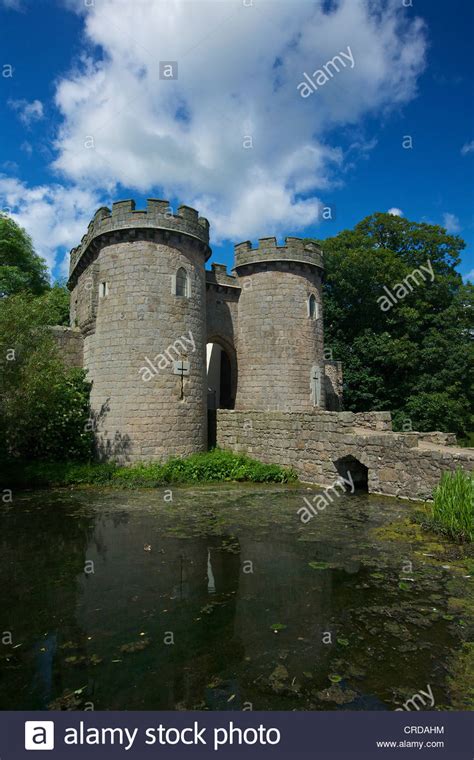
x=354 y=472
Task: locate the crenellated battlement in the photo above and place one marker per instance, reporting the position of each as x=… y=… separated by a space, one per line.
x=295 y=249
x=218 y=277
x=158 y=216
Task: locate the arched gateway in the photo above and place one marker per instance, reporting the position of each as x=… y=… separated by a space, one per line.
x=221 y=363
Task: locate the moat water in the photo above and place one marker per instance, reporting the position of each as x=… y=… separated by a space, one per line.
x=221 y=599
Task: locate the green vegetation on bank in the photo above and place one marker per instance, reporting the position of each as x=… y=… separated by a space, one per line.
x=210 y=467
x=452 y=511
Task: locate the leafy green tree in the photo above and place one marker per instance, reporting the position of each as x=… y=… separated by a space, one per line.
x=20 y=267
x=414 y=358
x=56 y=301
x=44 y=406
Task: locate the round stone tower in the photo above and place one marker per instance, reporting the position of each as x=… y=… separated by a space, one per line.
x=280 y=326
x=139 y=299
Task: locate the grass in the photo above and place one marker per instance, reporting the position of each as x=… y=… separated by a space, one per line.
x=452 y=511
x=214 y=466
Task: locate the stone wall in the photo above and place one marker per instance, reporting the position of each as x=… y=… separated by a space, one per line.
x=398 y=464
x=443 y=439
x=71 y=345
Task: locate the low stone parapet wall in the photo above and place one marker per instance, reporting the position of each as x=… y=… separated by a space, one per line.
x=372 y=420
x=314 y=444
x=437 y=437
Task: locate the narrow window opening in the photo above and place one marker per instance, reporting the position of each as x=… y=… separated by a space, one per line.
x=103 y=289
x=312 y=307
x=181 y=282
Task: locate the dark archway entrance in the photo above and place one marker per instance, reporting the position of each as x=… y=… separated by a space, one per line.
x=351 y=469
x=220 y=382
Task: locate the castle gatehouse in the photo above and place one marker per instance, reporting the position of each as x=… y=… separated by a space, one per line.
x=169 y=345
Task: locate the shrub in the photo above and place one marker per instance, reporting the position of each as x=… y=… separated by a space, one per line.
x=44 y=406
x=452 y=511
x=212 y=466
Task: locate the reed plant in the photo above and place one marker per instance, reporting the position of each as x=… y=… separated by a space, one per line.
x=452 y=511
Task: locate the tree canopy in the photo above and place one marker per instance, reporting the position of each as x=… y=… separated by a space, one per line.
x=412 y=353
x=20 y=267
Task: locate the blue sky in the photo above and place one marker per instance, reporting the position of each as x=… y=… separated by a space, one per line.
x=82 y=72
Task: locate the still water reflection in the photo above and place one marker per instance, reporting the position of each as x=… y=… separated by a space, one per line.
x=220 y=599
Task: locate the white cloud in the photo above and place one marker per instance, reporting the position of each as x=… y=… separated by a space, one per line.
x=451 y=222
x=467 y=148
x=395 y=211
x=239 y=68
x=55 y=216
x=27 y=111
